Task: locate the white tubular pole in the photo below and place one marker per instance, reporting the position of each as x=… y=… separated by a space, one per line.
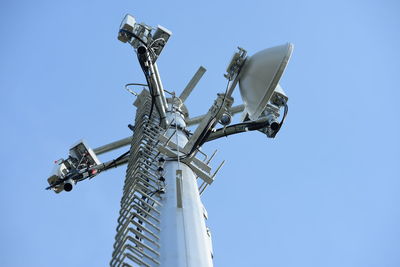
x=114 y=145
x=184 y=241
x=160 y=84
x=159 y=97
x=192 y=83
x=161 y=221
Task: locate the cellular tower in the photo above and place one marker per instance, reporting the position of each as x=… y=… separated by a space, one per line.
x=162 y=221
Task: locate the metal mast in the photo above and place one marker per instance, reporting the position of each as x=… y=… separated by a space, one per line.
x=162 y=219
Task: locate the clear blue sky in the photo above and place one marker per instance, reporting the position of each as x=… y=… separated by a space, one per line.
x=325 y=192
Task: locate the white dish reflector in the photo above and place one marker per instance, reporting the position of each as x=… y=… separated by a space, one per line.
x=260 y=76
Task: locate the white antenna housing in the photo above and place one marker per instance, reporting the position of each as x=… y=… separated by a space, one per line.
x=260 y=76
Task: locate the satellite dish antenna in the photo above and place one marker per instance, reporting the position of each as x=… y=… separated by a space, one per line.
x=260 y=76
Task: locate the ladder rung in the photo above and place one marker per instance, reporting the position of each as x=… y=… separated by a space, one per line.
x=136 y=260
x=144 y=254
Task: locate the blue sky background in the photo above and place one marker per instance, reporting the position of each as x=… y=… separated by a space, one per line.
x=325 y=192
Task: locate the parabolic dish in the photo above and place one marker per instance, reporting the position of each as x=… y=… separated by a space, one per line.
x=260 y=76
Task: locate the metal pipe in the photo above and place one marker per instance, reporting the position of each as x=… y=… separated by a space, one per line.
x=111 y=164
x=157 y=73
x=112 y=146
x=233 y=85
x=192 y=83
x=198 y=119
x=238 y=128
x=158 y=96
x=154 y=79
